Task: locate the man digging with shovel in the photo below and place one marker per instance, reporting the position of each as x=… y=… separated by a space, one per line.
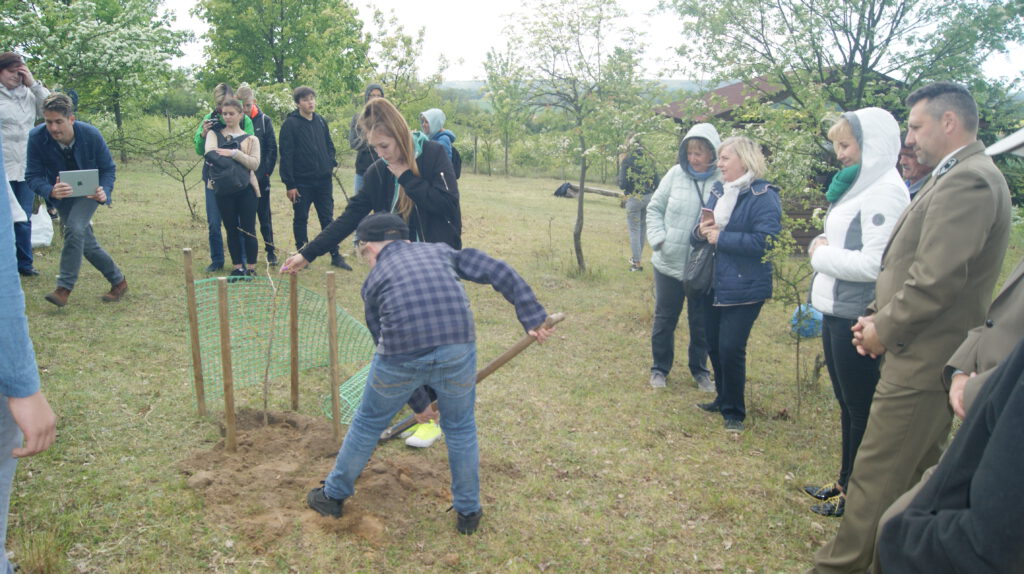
x=419 y=315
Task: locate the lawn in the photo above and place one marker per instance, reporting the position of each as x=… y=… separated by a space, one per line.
x=584 y=467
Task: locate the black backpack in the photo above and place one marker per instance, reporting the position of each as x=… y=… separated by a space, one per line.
x=227 y=176
x=457 y=162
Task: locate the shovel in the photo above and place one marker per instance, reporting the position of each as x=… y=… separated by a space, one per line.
x=482 y=374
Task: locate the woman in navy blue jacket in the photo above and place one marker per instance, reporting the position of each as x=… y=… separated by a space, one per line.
x=747 y=215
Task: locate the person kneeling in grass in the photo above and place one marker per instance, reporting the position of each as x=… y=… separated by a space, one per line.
x=418 y=313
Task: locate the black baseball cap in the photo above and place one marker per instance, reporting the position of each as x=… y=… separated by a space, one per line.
x=382 y=227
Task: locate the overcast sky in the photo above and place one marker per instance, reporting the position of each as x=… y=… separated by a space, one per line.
x=466 y=29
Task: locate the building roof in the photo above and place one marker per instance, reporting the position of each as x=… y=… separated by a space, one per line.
x=721 y=102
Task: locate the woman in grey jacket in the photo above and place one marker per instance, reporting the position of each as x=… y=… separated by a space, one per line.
x=867 y=197
x=671 y=215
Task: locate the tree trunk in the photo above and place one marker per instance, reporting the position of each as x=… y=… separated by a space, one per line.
x=577 y=232
x=476 y=153
x=119 y=122
x=507 y=143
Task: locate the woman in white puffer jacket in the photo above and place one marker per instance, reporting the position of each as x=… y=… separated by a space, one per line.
x=671 y=216
x=867 y=197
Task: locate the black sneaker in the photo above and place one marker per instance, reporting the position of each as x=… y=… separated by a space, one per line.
x=239 y=275
x=272 y=259
x=338 y=261
x=214 y=267
x=467 y=523
x=325 y=505
x=733 y=425
x=711 y=407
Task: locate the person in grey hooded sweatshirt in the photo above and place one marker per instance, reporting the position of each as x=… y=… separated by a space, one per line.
x=365 y=156
x=867 y=197
x=432 y=122
x=671 y=216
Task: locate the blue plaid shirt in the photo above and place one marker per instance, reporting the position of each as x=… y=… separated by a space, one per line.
x=414 y=300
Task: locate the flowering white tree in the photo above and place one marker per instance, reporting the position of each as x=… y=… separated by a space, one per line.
x=113 y=54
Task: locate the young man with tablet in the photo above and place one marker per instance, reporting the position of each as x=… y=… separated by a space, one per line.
x=63 y=145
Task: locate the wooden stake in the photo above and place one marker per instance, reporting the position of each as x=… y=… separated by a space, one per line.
x=193 y=332
x=332 y=339
x=293 y=325
x=231 y=442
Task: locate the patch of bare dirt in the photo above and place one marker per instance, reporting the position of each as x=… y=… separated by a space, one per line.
x=259 y=491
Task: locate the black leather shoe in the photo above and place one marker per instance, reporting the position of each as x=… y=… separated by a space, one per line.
x=338 y=261
x=834 y=506
x=30 y=272
x=468 y=523
x=823 y=492
x=711 y=407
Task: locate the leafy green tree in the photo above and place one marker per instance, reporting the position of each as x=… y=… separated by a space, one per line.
x=315 y=42
x=584 y=65
x=393 y=63
x=852 y=48
x=113 y=54
x=506 y=92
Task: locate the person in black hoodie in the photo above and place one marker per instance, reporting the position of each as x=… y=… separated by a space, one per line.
x=357 y=139
x=307 y=163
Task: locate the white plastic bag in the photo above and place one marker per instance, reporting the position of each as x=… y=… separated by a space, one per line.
x=42 y=228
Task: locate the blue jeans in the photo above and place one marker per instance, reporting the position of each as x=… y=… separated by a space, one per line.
x=10 y=438
x=451 y=371
x=668 y=304
x=728 y=330
x=854 y=378
x=357 y=184
x=76 y=213
x=216 y=240
x=636 y=220
x=23 y=229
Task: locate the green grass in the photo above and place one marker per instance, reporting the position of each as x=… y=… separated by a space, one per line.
x=585 y=468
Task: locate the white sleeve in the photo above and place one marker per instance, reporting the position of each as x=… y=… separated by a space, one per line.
x=880 y=211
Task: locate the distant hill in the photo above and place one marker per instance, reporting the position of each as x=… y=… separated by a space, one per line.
x=473 y=89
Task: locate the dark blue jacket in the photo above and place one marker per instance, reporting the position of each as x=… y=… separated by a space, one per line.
x=45 y=158
x=741 y=275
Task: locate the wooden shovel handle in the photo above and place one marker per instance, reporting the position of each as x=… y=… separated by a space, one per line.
x=482 y=374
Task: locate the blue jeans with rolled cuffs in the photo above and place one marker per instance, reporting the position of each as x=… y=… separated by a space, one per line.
x=450 y=370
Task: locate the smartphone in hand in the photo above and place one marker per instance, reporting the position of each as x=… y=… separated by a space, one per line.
x=707 y=216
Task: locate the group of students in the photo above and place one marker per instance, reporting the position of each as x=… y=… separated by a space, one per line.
x=307 y=162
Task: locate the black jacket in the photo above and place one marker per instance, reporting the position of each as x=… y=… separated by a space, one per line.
x=307 y=151
x=263 y=129
x=962 y=519
x=638 y=175
x=436 y=216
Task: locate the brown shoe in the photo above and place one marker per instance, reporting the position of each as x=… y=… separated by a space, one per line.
x=59 y=297
x=116 y=292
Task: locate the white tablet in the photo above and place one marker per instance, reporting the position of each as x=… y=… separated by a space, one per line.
x=83 y=182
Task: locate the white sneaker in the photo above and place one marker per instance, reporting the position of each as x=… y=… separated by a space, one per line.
x=426 y=435
x=657 y=380
x=704 y=383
